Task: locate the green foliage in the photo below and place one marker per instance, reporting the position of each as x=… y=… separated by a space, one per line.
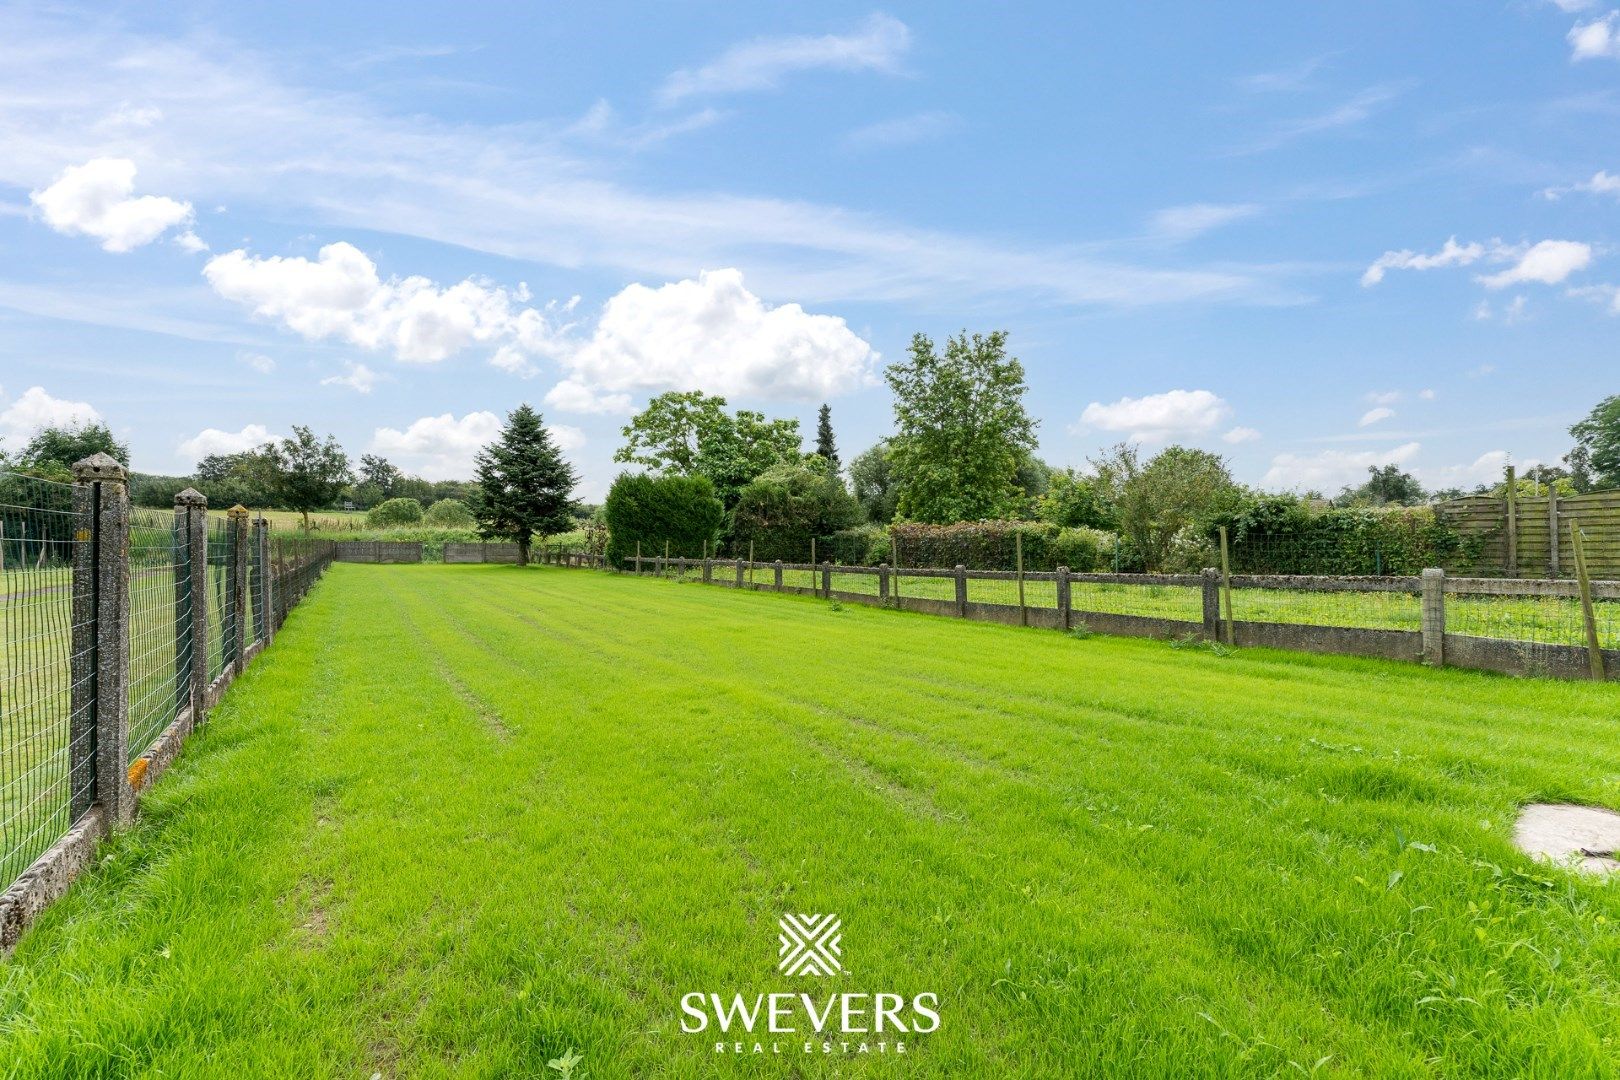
x=1164 y=505
x=961 y=429
x=1386 y=486
x=992 y=545
x=307 y=474
x=247 y=478
x=682 y=511
x=860 y=545
x=1280 y=534
x=448 y=513
x=525 y=485
x=1597 y=436
x=784 y=507
x=393 y=513
x=151 y=490
x=1073 y=499
x=871 y=475
x=826 y=445
x=692 y=434
x=379 y=473
x=62 y=445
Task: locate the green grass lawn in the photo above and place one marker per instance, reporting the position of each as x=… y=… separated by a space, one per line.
x=459 y=821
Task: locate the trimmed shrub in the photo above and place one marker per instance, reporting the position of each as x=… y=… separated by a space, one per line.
x=394 y=512
x=992 y=545
x=1283 y=535
x=449 y=514
x=681 y=511
x=863 y=545
x=779 y=511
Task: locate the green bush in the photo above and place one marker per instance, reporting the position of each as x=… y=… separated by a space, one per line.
x=992 y=545
x=393 y=513
x=448 y=513
x=1285 y=535
x=779 y=511
x=863 y=545
x=652 y=511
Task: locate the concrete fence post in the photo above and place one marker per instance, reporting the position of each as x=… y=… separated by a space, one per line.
x=237 y=518
x=1212 y=603
x=263 y=631
x=680 y=566
x=196 y=511
x=778 y=569
x=1434 y=617
x=708 y=570
x=1064 y=602
x=109 y=601
x=883 y=582
x=826 y=580
x=739 y=573
x=961 y=590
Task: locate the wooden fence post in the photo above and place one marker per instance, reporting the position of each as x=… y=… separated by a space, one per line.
x=894 y=561
x=961 y=590
x=1226 y=590
x=1552 y=530
x=1212 y=603
x=1018 y=554
x=237 y=518
x=1512 y=523
x=1594 y=647
x=1434 y=617
x=750 y=564
x=1064 y=601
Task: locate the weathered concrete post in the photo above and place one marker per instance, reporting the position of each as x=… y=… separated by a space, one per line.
x=195 y=506
x=1064 y=602
x=883 y=582
x=739 y=573
x=264 y=631
x=1434 y=617
x=680 y=567
x=109 y=563
x=237 y=517
x=778 y=569
x=961 y=590
x=1212 y=603
x=826 y=580
x=708 y=570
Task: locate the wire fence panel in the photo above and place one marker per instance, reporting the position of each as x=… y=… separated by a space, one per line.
x=159 y=626
x=40 y=706
x=1371 y=604
x=221 y=605
x=1532 y=620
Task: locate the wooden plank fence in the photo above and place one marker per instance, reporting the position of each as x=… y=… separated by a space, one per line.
x=1536 y=521
x=377 y=551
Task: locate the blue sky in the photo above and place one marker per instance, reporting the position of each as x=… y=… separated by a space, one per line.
x=1311 y=237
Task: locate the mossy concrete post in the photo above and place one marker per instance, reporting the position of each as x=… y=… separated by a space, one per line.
x=1064 y=601
x=1434 y=617
x=826 y=580
x=1212 y=603
x=237 y=520
x=961 y=590
x=883 y=582
x=194 y=505
x=739 y=573
x=108 y=562
x=680 y=567
x=263 y=628
x=708 y=570
x=778 y=569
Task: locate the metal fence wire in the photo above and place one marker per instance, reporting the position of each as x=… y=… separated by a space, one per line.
x=221 y=603
x=159 y=625
x=44 y=670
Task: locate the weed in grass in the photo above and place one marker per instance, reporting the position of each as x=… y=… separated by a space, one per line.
x=1080 y=632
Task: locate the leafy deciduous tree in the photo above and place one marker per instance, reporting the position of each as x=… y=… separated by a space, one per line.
x=309 y=474
x=1597 y=438
x=783 y=507
x=692 y=434
x=871 y=475
x=1167 y=497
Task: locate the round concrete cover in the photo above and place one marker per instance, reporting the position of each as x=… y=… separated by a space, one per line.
x=1582 y=836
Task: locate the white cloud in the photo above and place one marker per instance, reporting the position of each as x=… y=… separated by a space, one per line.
x=1157 y=417
x=339 y=294
x=191 y=242
x=1451 y=253
x=1241 y=435
x=35 y=409
x=1383 y=397
x=1607 y=295
x=1511 y=313
x=259 y=362
x=1426 y=394
x=878 y=45
x=1195 y=219
x=713 y=334
x=97 y=199
x=1570 y=7
x=1548 y=263
x=1374 y=416
x=1485 y=469
x=573 y=396
x=1330 y=470
x=1598 y=39
x=1602 y=183
x=443 y=447
x=214 y=441
x=359 y=378
x=903 y=130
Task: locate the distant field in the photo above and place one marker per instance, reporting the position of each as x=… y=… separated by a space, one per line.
x=285 y=519
x=459 y=821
